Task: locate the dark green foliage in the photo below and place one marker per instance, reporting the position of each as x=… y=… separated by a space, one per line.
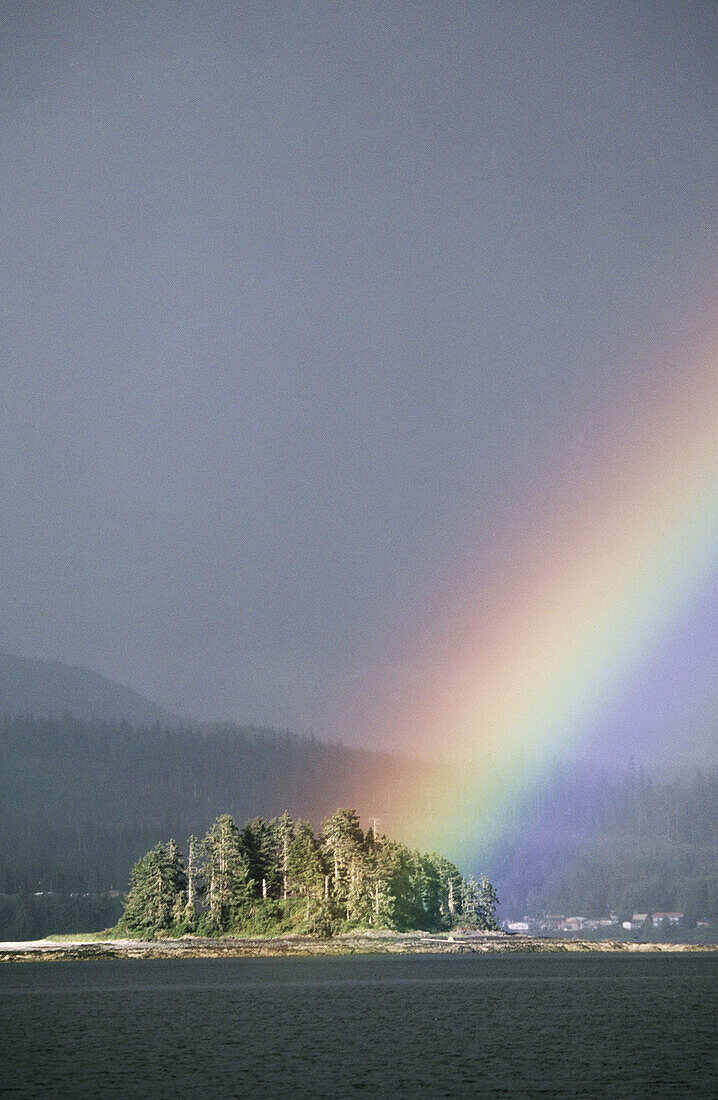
x=344 y=880
x=488 y=903
x=274 y=917
x=156 y=900
x=259 y=844
x=32 y=916
x=451 y=881
x=80 y=802
x=394 y=900
x=342 y=843
x=229 y=889
x=306 y=869
x=478 y=902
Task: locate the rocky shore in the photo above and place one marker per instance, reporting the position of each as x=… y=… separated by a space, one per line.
x=351 y=943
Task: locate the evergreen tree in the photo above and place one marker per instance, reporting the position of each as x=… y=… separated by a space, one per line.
x=488 y=901
x=259 y=845
x=471 y=900
x=195 y=878
x=283 y=829
x=393 y=887
x=343 y=845
x=450 y=888
x=158 y=884
x=430 y=893
x=305 y=866
x=479 y=901
x=229 y=887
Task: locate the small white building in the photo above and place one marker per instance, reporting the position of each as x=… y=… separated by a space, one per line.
x=637 y=921
x=517 y=925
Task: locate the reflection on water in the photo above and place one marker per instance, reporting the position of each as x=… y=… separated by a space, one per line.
x=385 y=1026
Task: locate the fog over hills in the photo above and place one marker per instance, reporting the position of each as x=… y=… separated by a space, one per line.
x=93 y=775
x=50 y=688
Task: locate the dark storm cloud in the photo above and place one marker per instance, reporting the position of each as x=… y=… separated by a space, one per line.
x=297 y=297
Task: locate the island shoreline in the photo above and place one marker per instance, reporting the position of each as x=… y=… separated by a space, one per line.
x=298 y=946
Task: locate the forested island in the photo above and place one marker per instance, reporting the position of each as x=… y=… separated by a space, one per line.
x=274 y=877
x=273 y=887
x=80 y=801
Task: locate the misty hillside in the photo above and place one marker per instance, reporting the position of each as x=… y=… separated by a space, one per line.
x=50 y=688
x=589 y=840
x=83 y=795
x=80 y=801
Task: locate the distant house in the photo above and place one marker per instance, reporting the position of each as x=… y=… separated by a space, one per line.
x=637 y=921
x=517 y=925
x=659 y=919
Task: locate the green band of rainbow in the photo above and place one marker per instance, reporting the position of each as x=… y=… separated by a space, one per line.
x=636 y=550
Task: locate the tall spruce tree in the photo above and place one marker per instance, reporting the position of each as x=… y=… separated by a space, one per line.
x=479 y=902
x=488 y=901
x=229 y=887
x=450 y=891
x=343 y=845
x=392 y=887
x=430 y=893
x=471 y=900
x=305 y=866
x=283 y=830
x=158 y=884
x=259 y=845
x=195 y=878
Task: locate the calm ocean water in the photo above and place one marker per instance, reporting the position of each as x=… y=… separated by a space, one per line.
x=568 y=1025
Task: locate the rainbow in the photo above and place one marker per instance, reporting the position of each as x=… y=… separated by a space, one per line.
x=626 y=558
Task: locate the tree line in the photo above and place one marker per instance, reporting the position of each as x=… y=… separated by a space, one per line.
x=273 y=876
x=80 y=801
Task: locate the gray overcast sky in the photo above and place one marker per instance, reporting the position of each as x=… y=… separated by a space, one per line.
x=303 y=304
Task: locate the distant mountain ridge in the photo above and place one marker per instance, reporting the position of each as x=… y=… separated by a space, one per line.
x=29 y=685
